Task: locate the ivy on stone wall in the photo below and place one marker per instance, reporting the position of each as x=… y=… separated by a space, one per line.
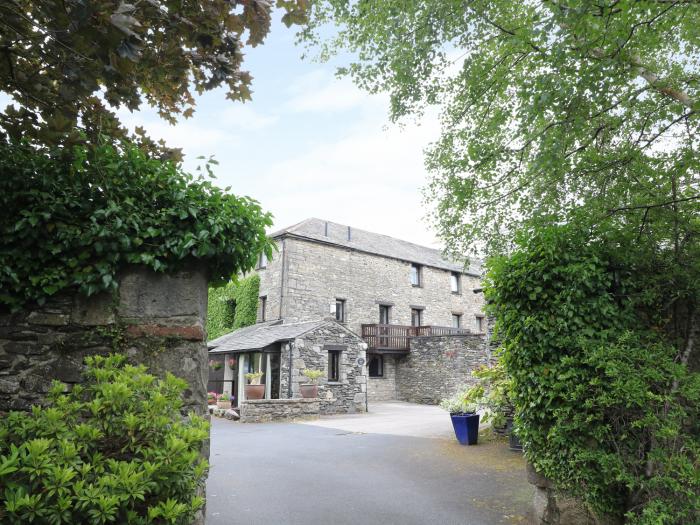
x=75 y=224
x=232 y=306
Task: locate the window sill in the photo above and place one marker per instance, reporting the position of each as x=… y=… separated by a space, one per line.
x=456 y=293
x=416 y=286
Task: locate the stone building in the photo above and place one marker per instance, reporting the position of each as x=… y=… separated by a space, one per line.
x=399 y=299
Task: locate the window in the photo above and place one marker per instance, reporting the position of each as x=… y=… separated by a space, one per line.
x=340 y=310
x=263 y=307
x=479 y=323
x=456 y=320
x=384 y=310
x=334 y=365
x=416 y=317
x=455 y=285
x=376 y=366
x=415 y=275
x=262 y=260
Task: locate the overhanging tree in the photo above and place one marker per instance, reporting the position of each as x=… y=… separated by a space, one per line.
x=547 y=106
x=69 y=63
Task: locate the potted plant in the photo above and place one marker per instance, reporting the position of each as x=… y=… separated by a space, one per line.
x=310 y=390
x=215 y=365
x=211 y=398
x=462 y=408
x=231 y=362
x=254 y=390
x=224 y=401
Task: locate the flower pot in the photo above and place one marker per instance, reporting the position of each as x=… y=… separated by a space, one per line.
x=466 y=428
x=309 y=391
x=224 y=404
x=513 y=441
x=254 y=391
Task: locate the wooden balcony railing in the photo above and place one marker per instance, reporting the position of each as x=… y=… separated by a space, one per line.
x=394 y=337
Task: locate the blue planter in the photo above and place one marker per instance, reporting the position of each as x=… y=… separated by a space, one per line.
x=466 y=428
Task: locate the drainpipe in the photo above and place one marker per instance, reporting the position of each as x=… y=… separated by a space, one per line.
x=284 y=259
x=289 y=384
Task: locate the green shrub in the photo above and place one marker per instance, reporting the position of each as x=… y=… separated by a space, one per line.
x=313 y=375
x=75 y=225
x=114 y=450
x=466 y=401
x=232 y=306
x=604 y=407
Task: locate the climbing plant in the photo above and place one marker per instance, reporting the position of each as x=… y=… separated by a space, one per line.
x=232 y=306
x=74 y=226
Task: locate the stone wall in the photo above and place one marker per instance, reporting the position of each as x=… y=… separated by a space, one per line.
x=315 y=275
x=437 y=366
x=265 y=410
x=156 y=319
x=311 y=351
x=383 y=388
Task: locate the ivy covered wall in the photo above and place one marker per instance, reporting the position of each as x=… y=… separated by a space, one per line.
x=232 y=306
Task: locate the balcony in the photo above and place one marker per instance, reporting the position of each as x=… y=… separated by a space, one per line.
x=396 y=338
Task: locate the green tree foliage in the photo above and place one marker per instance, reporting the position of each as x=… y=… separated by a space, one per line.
x=68 y=63
x=232 y=306
x=114 y=450
x=75 y=226
x=606 y=407
x=547 y=107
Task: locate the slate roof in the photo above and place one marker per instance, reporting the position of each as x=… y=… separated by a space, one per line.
x=261 y=335
x=337 y=234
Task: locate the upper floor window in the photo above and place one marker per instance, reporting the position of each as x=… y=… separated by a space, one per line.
x=262 y=260
x=455 y=284
x=456 y=320
x=416 y=317
x=384 y=311
x=416 y=277
x=479 y=323
x=263 y=307
x=340 y=310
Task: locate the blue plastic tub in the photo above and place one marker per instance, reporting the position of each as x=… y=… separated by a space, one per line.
x=466 y=428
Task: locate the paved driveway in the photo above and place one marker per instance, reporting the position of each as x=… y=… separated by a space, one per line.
x=400 y=464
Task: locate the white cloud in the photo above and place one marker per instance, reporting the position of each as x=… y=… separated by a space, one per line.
x=370 y=178
x=242 y=117
x=319 y=91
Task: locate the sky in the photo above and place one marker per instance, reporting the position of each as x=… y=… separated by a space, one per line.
x=308 y=145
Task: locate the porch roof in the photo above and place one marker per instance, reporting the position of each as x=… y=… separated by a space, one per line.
x=261 y=335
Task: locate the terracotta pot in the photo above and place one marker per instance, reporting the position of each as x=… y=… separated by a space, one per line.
x=224 y=404
x=309 y=391
x=254 y=391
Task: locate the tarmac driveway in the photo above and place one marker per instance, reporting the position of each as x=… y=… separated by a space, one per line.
x=399 y=464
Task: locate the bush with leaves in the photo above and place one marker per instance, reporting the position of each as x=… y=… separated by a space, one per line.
x=606 y=407
x=113 y=450
x=76 y=225
x=467 y=400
